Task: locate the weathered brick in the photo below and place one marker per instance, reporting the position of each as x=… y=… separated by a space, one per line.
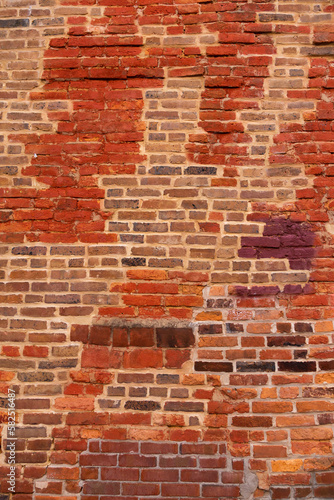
x=175 y=337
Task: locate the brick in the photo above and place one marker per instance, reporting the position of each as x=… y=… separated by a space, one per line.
x=183 y=406
x=199 y=449
x=100 y=335
x=270 y=451
x=175 y=337
x=31 y=457
x=295 y=366
x=252 y=421
x=147 y=358
x=187 y=489
x=137 y=378
x=156 y=448
x=141 y=489
x=159 y=475
x=176 y=359
x=96 y=487
x=213 y=491
x=213 y=366
x=97 y=357
x=142 y=405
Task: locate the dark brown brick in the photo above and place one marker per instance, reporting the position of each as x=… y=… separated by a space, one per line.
x=175 y=337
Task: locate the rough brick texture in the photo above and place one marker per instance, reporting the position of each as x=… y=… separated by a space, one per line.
x=166 y=229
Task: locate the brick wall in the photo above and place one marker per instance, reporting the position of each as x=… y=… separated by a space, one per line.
x=166 y=228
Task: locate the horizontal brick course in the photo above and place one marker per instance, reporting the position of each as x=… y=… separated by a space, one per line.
x=146 y=474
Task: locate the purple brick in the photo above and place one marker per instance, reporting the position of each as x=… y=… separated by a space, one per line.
x=263 y=290
x=293 y=289
x=247 y=252
x=247 y=241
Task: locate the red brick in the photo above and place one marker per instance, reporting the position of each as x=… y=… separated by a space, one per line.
x=95 y=357
x=143 y=358
x=262 y=451
x=214 y=491
x=186 y=489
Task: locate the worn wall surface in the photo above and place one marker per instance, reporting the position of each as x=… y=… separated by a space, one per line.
x=167 y=222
